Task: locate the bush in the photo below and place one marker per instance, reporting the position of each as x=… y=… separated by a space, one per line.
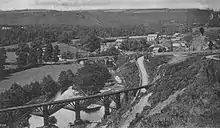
x=52 y=120
x=92 y=77
x=131 y=75
x=110 y=52
x=135 y=45
x=49 y=86
x=66 y=79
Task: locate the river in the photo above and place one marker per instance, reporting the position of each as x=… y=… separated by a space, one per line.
x=64 y=117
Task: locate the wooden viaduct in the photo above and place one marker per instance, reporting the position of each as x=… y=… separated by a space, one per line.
x=45 y=110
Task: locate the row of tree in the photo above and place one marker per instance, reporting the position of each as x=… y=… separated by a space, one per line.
x=34 y=54
x=135 y=45
x=64 y=33
x=69 y=55
x=19 y=95
x=2 y=59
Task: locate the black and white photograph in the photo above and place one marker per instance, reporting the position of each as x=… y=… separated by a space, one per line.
x=109 y=63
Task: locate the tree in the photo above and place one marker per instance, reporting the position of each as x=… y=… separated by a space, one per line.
x=36 y=52
x=70 y=75
x=68 y=55
x=32 y=57
x=63 y=80
x=214 y=20
x=56 y=52
x=126 y=45
x=64 y=37
x=134 y=45
x=22 y=53
x=91 y=42
x=33 y=89
x=66 y=78
x=52 y=120
x=48 y=54
x=49 y=86
x=110 y=52
x=2 y=59
x=188 y=38
x=93 y=77
x=202 y=30
x=162 y=49
x=210 y=45
x=17 y=95
x=143 y=45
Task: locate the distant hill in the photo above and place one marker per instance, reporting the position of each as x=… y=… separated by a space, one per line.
x=103 y=18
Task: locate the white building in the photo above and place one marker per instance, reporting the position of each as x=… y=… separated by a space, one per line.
x=137 y=37
x=6 y=28
x=119 y=40
x=176 y=34
x=152 y=37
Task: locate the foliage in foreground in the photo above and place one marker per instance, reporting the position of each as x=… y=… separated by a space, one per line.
x=90 y=78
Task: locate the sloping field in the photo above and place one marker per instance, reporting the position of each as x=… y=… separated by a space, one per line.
x=100 y=17
x=36 y=74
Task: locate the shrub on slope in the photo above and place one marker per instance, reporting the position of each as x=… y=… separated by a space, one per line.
x=131 y=75
x=198 y=106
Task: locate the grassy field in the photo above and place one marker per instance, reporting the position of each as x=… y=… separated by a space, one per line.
x=11 y=46
x=65 y=47
x=35 y=74
x=11 y=57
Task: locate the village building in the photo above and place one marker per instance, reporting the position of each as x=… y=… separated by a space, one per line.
x=75 y=42
x=111 y=43
x=155 y=48
x=152 y=37
x=6 y=28
x=107 y=45
x=179 y=46
x=138 y=37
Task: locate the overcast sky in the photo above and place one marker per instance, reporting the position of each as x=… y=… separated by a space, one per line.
x=106 y=4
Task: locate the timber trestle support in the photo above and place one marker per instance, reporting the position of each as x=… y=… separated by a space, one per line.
x=45 y=110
